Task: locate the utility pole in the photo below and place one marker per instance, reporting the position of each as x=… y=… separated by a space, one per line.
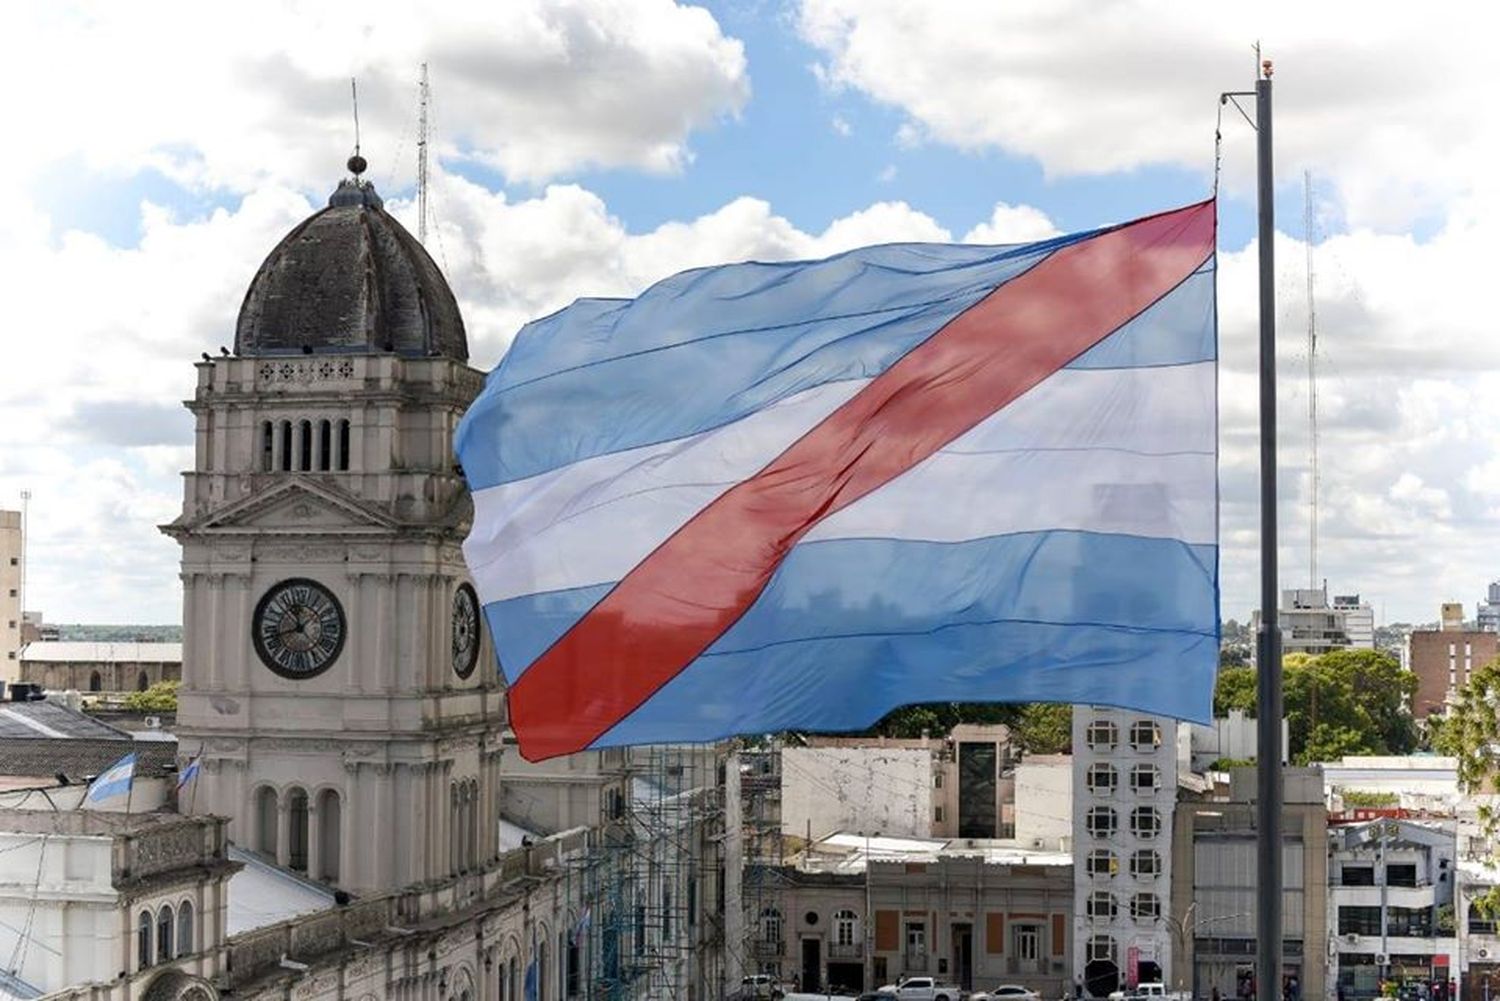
x=1312 y=382
x=422 y=160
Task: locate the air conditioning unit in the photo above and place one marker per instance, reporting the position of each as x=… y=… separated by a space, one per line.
x=152 y=722
x=1037 y=842
x=1484 y=954
x=1381 y=959
x=1351 y=938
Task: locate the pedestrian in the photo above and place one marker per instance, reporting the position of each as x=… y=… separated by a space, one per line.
x=1214 y=994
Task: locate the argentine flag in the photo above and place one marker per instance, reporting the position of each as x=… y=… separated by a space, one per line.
x=115 y=781
x=796 y=496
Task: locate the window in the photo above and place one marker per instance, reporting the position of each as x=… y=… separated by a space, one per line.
x=286 y=446
x=575 y=970
x=1145 y=821
x=1100 y=821
x=165 y=922
x=267 y=446
x=330 y=833
x=1101 y=948
x=937 y=779
x=142 y=682
x=1359 y=920
x=937 y=815
x=1145 y=777
x=845 y=927
x=1479 y=923
x=1102 y=735
x=770 y=925
x=1358 y=875
x=143 y=940
x=1415 y=922
x=1145 y=862
x=304 y=446
x=1102 y=862
x=1101 y=778
x=978 y=768
x=96 y=683
x=325 y=445
x=266 y=822
x=296 y=840
x=343 y=446
x=1101 y=905
x=1145 y=907
x=185 y=928
x=1401 y=875
x=916 y=940
x=1028 y=942
x=1145 y=735
x=666 y=911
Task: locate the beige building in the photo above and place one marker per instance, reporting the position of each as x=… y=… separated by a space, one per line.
x=856 y=913
x=1214 y=887
x=100 y=667
x=10 y=595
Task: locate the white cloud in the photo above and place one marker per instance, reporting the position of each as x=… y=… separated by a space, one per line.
x=1013 y=224
x=1379 y=99
x=534 y=87
x=841 y=126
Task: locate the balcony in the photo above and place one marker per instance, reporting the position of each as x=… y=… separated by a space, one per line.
x=853 y=950
x=763 y=948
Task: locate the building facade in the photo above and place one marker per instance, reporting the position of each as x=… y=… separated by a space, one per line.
x=1444 y=659
x=100 y=667
x=1215 y=889
x=1359 y=620
x=11 y=556
x=1389 y=880
x=1125 y=776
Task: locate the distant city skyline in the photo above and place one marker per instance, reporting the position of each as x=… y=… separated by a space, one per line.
x=592 y=148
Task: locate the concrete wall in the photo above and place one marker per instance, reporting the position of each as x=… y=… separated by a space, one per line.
x=10 y=595
x=872 y=789
x=1044 y=802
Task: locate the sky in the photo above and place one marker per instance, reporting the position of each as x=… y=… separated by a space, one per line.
x=156 y=152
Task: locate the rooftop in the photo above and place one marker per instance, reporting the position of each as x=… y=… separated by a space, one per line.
x=264 y=894
x=46 y=738
x=74 y=652
x=845 y=852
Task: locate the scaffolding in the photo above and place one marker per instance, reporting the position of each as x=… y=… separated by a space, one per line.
x=639 y=927
x=763 y=949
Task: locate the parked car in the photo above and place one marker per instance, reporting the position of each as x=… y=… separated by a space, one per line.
x=1150 y=992
x=924 y=989
x=1007 y=992
x=760 y=987
x=880 y=995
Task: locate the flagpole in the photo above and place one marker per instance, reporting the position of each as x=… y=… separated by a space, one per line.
x=1268 y=642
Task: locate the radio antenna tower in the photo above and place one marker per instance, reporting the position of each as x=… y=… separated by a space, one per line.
x=1312 y=380
x=422 y=159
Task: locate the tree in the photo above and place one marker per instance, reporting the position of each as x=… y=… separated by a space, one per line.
x=1471 y=734
x=159 y=698
x=1044 y=728
x=1235 y=690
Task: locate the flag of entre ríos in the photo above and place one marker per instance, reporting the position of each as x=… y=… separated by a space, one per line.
x=114 y=781
x=795 y=496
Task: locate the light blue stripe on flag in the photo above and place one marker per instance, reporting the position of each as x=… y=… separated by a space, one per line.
x=188 y=774
x=114 y=782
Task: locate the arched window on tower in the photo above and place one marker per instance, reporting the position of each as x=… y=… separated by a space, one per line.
x=325 y=446
x=165 y=922
x=296 y=835
x=286 y=446
x=143 y=940
x=330 y=830
x=185 y=928
x=343 y=446
x=267 y=446
x=266 y=822
x=473 y=823
x=304 y=446
x=455 y=825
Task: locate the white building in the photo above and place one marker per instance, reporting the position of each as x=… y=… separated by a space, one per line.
x=1308 y=623
x=1125 y=774
x=1235 y=737
x=830 y=789
x=1044 y=802
x=1387 y=881
x=10 y=595
x=1488 y=614
x=1359 y=620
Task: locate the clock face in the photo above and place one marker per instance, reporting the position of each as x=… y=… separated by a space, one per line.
x=465 y=630
x=298 y=628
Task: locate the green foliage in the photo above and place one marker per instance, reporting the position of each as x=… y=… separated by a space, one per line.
x=1224 y=764
x=160 y=697
x=1235 y=690
x=1045 y=728
x=1446 y=924
x=1361 y=797
x=1344 y=702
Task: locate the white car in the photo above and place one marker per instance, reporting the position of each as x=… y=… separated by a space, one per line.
x=1007 y=992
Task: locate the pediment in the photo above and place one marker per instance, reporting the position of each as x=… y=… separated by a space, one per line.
x=290 y=508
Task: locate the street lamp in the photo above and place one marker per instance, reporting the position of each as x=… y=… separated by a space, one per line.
x=1184 y=928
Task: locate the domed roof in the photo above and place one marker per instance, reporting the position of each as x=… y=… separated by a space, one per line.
x=350 y=279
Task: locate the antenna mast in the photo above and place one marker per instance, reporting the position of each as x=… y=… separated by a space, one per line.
x=1312 y=380
x=422 y=160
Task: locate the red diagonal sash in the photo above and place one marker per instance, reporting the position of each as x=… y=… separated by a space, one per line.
x=698 y=583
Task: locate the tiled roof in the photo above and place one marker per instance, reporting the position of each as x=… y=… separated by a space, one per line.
x=70 y=652
x=44 y=738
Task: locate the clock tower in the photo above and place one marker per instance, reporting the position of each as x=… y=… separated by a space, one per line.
x=337 y=680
